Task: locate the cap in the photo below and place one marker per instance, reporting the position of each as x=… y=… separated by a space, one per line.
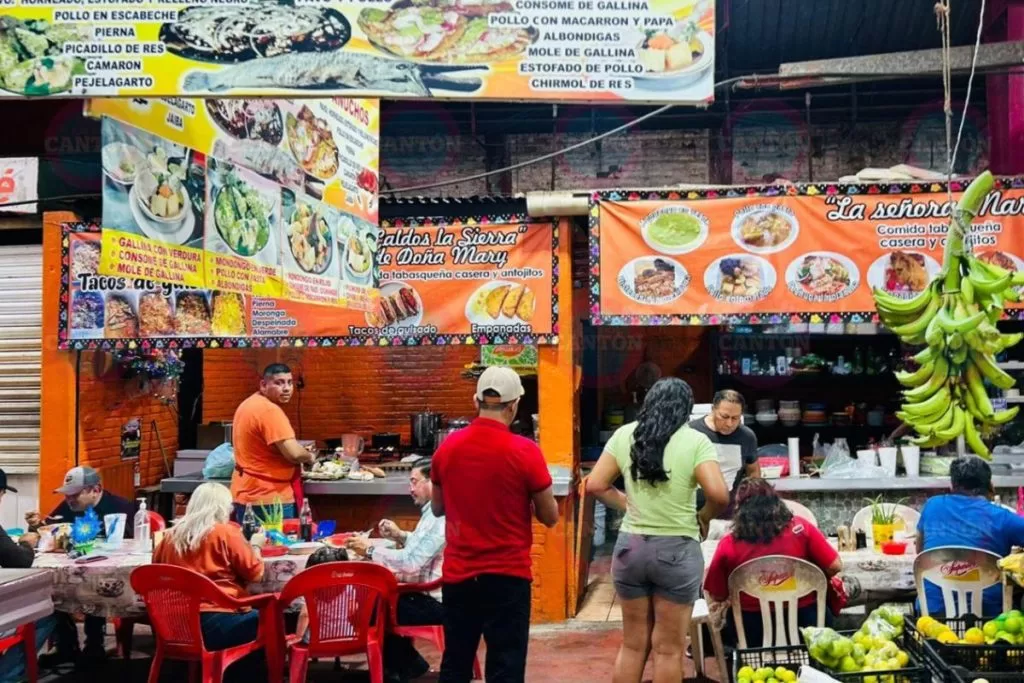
x=505 y=381
x=79 y=478
x=3 y=483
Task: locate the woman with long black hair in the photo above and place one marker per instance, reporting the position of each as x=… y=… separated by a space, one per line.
x=657 y=564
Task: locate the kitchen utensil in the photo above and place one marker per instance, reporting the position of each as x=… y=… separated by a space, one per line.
x=894 y=547
x=445 y=433
x=273 y=551
x=352 y=445
x=382 y=440
x=423 y=428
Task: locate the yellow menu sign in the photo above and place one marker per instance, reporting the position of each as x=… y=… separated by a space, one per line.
x=278 y=198
x=551 y=50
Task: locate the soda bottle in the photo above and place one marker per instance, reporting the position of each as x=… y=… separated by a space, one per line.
x=249 y=523
x=306 y=522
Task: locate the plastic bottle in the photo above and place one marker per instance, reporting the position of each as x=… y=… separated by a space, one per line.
x=306 y=522
x=142 y=536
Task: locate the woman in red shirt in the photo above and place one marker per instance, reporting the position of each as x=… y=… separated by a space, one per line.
x=204 y=542
x=763 y=525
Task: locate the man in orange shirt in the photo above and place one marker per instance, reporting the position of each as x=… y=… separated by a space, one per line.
x=268 y=459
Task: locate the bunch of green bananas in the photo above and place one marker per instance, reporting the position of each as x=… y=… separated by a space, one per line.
x=955 y=317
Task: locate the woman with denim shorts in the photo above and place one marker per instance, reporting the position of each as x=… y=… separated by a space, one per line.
x=657 y=564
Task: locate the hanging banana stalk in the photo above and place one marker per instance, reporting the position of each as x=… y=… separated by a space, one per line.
x=955 y=318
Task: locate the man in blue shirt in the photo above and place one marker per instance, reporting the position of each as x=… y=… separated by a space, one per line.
x=966 y=518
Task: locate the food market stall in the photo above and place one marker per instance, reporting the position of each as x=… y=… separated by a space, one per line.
x=770 y=288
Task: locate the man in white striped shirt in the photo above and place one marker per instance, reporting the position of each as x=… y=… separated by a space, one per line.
x=416 y=558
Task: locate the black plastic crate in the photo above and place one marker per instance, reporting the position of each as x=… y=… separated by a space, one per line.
x=794 y=656
x=981 y=659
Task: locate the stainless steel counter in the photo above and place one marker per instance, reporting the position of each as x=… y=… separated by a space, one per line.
x=395 y=484
x=25 y=596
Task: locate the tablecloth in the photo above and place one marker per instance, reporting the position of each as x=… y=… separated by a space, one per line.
x=104 y=589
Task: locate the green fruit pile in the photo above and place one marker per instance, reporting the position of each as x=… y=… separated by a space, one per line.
x=779 y=674
x=1006 y=629
x=872 y=648
x=955 y=318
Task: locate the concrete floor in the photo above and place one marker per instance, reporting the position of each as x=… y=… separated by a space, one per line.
x=573 y=652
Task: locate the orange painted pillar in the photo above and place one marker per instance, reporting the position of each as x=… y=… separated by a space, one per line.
x=58 y=424
x=552 y=548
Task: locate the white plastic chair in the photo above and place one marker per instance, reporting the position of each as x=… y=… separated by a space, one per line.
x=780 y=581
x=801 y=510
x=963 y=574
x=862 y=521
x=701 y=617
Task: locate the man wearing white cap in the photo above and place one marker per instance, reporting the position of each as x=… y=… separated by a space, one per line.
x=489 y=483
x=82 y=489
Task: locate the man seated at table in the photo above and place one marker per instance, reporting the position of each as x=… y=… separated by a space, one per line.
x=965 y=517
x=416 y=559
x=19 y=556
x=82 y=489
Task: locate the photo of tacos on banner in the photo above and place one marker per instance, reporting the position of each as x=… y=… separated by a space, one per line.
x=443 y=32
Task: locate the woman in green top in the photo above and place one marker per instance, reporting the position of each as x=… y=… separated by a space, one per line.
x=657 y=564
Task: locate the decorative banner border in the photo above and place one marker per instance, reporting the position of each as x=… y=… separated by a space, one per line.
x=65 y=341
x=768 y=191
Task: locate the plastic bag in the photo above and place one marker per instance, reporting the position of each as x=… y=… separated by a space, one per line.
x=839 y=465
x=220 y=463
x=826 y=646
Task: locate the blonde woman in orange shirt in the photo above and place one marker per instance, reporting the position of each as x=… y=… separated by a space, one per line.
x=205 y=542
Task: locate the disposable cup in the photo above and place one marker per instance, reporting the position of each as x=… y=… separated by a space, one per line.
x=114 y=526
x=866 y=457
x=887 y=459
x=911 y=460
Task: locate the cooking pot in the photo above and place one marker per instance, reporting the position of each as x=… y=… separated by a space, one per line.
x=453 y=426
x=423 y=427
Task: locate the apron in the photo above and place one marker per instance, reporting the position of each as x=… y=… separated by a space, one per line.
x=295 y=481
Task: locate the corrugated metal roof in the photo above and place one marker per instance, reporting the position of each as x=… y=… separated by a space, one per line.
x=758 y=35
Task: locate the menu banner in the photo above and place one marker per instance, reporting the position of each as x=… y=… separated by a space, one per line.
x=269 y=198
x=490 y=281
x=550 y=50
x=781 y=254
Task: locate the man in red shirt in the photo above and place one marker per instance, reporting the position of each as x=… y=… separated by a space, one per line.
x=489 y=483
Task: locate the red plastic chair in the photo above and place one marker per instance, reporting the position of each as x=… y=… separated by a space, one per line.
x=434 y=634
x=124 y=629
x=173 y=596
x=348 y=605
x=156 y=522
x=26 y=637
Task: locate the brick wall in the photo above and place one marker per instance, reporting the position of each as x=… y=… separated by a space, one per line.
x=105 y=403
x=777 y=143
x=361 y=390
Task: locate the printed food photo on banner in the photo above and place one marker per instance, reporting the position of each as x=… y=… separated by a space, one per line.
x=452 y=282
x=548 y=50
x=281 y=212
x=804 y=250
x=152 y=187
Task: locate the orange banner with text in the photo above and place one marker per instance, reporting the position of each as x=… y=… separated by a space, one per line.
x=755 y=258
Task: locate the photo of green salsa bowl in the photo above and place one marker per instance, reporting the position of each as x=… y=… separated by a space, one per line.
x=674 y=230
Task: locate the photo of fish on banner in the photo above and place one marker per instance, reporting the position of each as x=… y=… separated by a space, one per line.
x=152 y=187
x=421 y=46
